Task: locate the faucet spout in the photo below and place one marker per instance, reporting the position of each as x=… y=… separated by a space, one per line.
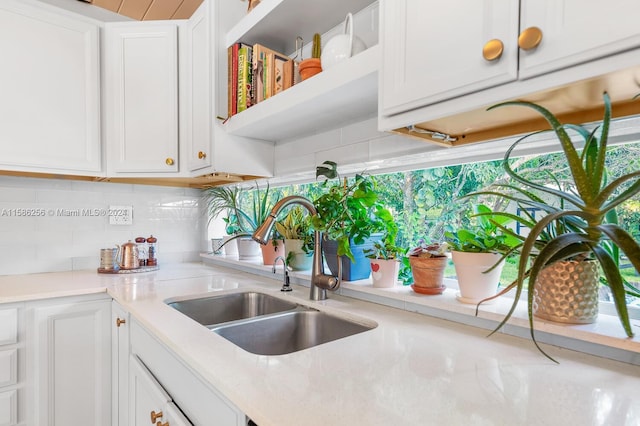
x=320 y=282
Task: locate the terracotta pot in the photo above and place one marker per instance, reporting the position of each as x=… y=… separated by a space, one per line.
x=567 y=292
x=428 y=272
x=474 y=282
x=384 y=273
x=309 y=67
x=271 y=251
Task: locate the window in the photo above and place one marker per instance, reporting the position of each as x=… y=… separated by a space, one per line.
x=426 y=202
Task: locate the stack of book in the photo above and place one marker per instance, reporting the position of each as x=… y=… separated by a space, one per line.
x=255 y=73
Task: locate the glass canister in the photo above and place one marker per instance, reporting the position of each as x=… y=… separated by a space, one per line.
x=152 y=251
x=143 y=250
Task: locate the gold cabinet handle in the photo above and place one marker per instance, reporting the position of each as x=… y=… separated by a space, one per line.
x=530 y=38
x=202 y=155
x=492 y=50
x=162 y=424
x=119 y=322
x=155 y=416
x=169 y=161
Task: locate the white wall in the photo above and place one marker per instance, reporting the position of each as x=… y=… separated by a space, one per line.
x=57 y=243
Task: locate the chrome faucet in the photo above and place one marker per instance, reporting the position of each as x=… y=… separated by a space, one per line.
x=286 y=286
x=320 y=282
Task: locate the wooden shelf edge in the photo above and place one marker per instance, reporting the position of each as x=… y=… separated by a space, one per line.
x=213 y=179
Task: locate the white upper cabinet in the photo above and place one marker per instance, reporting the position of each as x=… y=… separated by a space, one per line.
x=49 y=91
x=442 y=59
x=576 y=31
x=433 y=50
x=141 y=91
x=198 y=91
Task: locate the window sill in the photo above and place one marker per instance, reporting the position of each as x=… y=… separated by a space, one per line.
x=605 y=338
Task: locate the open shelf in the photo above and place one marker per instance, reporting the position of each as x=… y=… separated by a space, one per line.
x=277 y=23
x=343 y=94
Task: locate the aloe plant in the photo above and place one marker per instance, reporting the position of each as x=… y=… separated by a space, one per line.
x=228 y=200
x=579 y=226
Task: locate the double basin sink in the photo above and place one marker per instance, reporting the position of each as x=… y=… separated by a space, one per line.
x=266 y=325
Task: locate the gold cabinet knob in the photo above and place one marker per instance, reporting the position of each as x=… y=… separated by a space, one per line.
x=202 y=155
x=530 y=38
x=120 y=321
x=162 y=424
x=169 y=161
x=155 y=416
x=492 y=50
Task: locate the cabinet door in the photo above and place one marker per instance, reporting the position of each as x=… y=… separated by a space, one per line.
x=576 y=31
x=174 y=417
x=146 y=396
x=119 y=364
x=198 y=117
x=49 y=91
x=141 y=62
x=69 y=363
x=434 y=51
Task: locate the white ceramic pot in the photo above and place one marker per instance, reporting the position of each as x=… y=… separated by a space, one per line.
x=476 y=285
x=230 y=247
x=248 y=249
x=299 y=260
x=384 y=273
x=341 y=46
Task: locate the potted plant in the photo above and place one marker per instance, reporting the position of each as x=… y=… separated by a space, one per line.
x=243 y=215
x=352 y=218
x=298 y=239
x=428 y=262
x=578 y=227
x=312 y=66
x=384 y=261
x=478 y=256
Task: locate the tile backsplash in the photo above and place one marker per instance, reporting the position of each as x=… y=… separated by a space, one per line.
x=49 y=225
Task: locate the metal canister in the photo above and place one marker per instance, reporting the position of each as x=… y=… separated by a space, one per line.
x=152 y=252
x=143 y=250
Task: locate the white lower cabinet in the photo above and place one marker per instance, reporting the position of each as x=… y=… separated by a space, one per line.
x=11 y=366
x=119 y=365
x=148 y=401
x=68 y=349
x=158 y=380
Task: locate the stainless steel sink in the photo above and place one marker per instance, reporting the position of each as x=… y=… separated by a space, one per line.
x=289 y=332
x=223 y=308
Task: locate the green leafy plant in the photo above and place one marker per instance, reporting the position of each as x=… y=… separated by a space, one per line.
x=487 y=236
x=384 y=249
x=350 y=210
x=581 y=224
x=296 y=225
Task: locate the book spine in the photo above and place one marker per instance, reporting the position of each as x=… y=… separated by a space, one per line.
x=244 y=78
x=234 y=79
x=257 y=74
x=229 y=81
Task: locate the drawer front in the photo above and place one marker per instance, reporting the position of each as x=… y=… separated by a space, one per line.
x=8 y=367
x=8 y=408
x=8 y=326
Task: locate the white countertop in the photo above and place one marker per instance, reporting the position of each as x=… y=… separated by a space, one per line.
x=411 y=369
